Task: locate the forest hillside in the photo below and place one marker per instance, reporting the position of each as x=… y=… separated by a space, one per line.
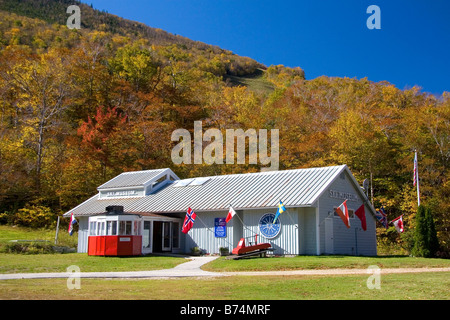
x=78 y=107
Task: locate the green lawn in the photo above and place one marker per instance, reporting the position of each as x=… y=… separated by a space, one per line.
x=322 y=262
x=8 y=233
x=423 y=286
x=416 y=286
x=18 y=263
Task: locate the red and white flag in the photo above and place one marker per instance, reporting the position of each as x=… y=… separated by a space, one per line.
x=398 y=224
x=188 y=221
x=342 y=211
x=230 y=215
x=361 y=214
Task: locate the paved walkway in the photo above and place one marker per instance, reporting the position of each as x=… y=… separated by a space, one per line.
x=192 y=269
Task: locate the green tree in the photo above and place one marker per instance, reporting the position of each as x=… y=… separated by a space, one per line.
x=425 y=238
x=420 y=248
x=432 y=239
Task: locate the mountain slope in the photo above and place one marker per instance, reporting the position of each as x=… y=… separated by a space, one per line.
x=54 y=11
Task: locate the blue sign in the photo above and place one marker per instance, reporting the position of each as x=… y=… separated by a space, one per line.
x=220 y=227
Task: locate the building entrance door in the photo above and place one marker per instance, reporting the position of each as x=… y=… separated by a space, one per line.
x=329 y=242
x=162 y=236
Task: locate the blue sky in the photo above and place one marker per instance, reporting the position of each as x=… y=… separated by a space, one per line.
x=323 y=37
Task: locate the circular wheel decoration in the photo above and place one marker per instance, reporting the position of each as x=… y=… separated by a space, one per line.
x=266 y=226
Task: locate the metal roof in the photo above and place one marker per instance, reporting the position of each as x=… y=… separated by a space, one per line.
x=135 y=178
x=296 y=188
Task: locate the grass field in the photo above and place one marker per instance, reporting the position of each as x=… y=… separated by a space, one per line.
x=416 y=286
x=254 y=82
x=8 y=233
x=424 y=286
x=323 y=262
x=18 y=263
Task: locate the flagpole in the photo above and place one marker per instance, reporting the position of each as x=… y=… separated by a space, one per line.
x=243 y=224
x=416 y=165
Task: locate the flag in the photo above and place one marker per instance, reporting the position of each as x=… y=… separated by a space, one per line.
x=382 y=217
x=342 y=211
x=71 y=223
x=188 y=221
x=230 y=215
x=280 y=210
x=398 y=224
x=361 y=214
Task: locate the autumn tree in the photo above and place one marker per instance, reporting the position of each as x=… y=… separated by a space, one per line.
x=42 y=90
x=103 y=138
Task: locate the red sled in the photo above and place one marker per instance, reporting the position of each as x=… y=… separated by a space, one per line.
x=243 y=249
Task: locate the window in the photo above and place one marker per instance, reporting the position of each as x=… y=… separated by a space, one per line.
x=100 y=228
x=128 y=228
x=125 y=228
x=92 y=228
x=162 y=179
x=350 y=213
x=146 y=235
x=191 y=182
x=111 y=228
x=137 y=228
x=199 y=181
x=121 y=227
x=183 y=183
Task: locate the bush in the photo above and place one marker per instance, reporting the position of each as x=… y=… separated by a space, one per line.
x=224 y=251
x=28 y=247
x=425 y=238
x=35 y=216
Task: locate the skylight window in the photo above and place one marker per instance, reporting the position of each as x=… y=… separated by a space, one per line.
x=191 y=182
x=183 y=183
x=199 y=181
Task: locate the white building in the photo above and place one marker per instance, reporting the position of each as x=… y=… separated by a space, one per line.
x=310 y=225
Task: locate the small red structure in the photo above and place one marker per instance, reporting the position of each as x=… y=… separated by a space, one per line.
x=256 y=248
x=114 y=245
x=115 y=233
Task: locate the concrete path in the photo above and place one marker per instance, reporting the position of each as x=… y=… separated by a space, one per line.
x=187 y=269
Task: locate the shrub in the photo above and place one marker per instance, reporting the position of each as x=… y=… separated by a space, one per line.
x=425 y=238
x=28 y=247
x=35 y=217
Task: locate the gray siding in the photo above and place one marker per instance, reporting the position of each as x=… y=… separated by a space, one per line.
x=307 y=218
x=202 y=233
x=286 y=242
x=353 y=240
x=83 y=225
